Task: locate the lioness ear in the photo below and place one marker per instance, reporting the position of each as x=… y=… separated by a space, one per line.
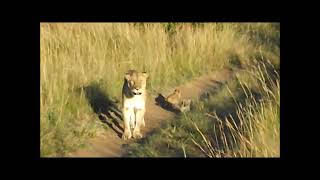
x=145 y=74
x=127 y=76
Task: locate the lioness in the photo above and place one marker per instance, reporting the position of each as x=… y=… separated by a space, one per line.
x=134 y=97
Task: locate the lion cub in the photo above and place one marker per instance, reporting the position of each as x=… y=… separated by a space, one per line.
x=174 y=98
x=185 y=105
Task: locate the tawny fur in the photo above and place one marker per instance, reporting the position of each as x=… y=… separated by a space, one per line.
x=175 y=97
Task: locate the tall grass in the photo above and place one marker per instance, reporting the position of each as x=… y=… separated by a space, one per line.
x=78 y=55
x=257 y=131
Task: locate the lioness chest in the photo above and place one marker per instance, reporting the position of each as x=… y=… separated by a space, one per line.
x=136 y=102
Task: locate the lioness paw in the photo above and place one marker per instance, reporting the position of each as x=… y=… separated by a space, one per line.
x=126 y=135
x=137 y=135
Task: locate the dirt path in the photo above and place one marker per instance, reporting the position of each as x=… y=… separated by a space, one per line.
x=110 y=144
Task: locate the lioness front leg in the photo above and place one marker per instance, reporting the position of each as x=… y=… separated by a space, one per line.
x=139 y=122
x=127 y=114
x=143 y=123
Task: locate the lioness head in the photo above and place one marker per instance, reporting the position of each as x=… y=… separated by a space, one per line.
x=136 y=81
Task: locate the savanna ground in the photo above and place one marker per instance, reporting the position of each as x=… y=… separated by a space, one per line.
x=82 y=68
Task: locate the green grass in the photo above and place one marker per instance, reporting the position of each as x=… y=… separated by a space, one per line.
x=75 y=57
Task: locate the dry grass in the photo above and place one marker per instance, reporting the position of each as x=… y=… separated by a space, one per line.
x=257 y=131
x=74 y=56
